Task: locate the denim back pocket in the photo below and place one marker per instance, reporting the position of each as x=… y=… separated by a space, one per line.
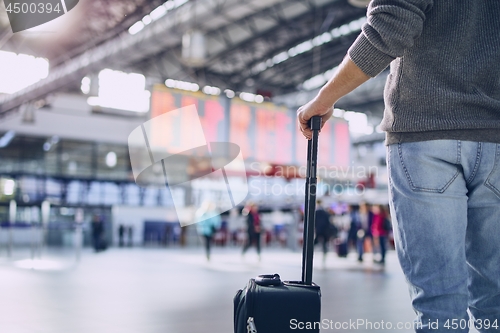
x=430 y=166
x=493 y=180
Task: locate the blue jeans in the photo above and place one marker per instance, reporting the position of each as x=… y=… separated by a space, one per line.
x=445 y=206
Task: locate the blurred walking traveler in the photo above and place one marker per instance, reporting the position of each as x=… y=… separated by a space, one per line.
x=130 y=235
x=98 y=237
x=342 y=223
x=442 y=124
x=121 y=235
x=352 y=237
x=323 y=228
x=364 y=233
x=254 y=228
x=380 y=232
x=209 y=225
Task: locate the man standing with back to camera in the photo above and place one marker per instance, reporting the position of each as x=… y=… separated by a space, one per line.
x=442 y=119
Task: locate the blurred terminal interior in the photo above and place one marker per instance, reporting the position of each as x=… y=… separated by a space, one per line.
x=73 y=90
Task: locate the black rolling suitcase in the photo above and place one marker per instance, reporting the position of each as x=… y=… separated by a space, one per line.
x=341 y=248
x=269 y=305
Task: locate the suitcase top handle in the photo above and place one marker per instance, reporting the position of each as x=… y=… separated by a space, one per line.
x=315 y=123
x=268 y=280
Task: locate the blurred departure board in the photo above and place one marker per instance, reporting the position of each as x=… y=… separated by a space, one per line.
x=334 y=145
x=265 y=132
x=177 y=136
x=285 y=130
x=341 y=143
x=242 y=128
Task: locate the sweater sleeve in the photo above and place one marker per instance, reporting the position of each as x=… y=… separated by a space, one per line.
x=391 y=28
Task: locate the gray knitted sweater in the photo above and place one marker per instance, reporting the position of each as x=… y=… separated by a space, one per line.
x=445 y=67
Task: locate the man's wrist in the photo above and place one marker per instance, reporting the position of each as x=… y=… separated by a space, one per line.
x=326 y=98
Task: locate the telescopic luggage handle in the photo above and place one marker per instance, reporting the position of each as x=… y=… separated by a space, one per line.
x=310 y=201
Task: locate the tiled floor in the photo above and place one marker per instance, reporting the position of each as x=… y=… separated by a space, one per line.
x=176 y=291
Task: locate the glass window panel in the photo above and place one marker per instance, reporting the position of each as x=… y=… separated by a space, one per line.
x=52 y=161
x=166 y=198
x=111 y=194
x=94 y=194
x=77 y=159
x=10 y=156
x=32 y=155
x=132 y=195
x=75 y=189
x=151 y=196
x=113 y=162
x=53 y=188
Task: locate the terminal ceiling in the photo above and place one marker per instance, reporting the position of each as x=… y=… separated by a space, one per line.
x=241 y=37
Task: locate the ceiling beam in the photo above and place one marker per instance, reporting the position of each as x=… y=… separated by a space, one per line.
x=123 y=50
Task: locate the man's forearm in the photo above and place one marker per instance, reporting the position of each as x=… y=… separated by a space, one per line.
x=347 y=78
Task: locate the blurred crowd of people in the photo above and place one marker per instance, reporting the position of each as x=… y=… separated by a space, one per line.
x=358 y=228
x=363 y=228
